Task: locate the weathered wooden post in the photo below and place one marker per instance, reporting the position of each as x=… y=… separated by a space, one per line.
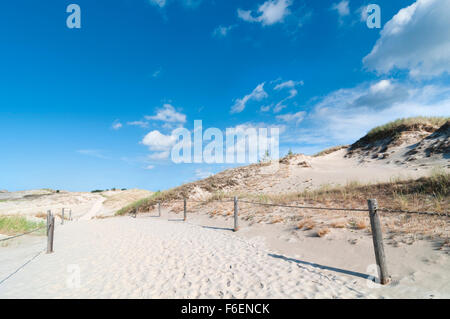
x=49 y=215
x=185 y=209
x=377 y=236
x=236 y=211
x=62 y=217
x=159 y=209
x=51 y=232
x=70 y=214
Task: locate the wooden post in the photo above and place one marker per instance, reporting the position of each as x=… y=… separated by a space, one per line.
x=70 y=215
x=159 y=209
x=62 y=217
x=185 y=209
x=51 y=232
x=377 y=236
x=49 y=215
x=236 y=211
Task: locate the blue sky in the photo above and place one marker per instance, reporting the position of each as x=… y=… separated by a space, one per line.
x=77 y=105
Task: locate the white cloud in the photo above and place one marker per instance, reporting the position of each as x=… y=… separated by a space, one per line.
x=292 y=117
x=293 y=92
x=157 y=73
x=156 y=141
x=381 y=86
x=159 y=3
x=416 y=39
x=222 y=31
x=363 y=14
x=186 y=3
x=168 y=114
x=345 y=115
x=159 y=155
x=279 y=106
x=93 y=153
x=149 y=167
x=116 y=125
x=161 y=144
x=257 y=94
x=201 y=173
x=138 y=123
x=288 y=84
x=341 y=8
x=269 y=13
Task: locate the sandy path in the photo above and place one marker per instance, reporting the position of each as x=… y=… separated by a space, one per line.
x=153 y=258
x=95 y=209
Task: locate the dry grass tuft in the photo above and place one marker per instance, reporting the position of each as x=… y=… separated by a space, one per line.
x=40 y=215
x=277 y=219
x=306 y=224
x=361 y=224
x=323 y=232
x=338 y=224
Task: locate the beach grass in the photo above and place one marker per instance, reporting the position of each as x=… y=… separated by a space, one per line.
x=13 y=225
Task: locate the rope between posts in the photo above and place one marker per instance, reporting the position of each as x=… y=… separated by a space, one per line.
x=29 y=232
x=384 y=210
x=306 y=207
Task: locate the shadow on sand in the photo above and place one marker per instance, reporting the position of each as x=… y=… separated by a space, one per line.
x=342 y=271
x=218 y=228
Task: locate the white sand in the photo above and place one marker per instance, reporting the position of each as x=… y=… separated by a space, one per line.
x=152 y=257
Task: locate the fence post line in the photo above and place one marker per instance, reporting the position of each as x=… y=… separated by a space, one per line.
x=49 y=214
x=236 y=211
x=159 y=209
x=62 y=217
x=377 y=236
x=70 y=214
x=185 y=209
x=51 y=231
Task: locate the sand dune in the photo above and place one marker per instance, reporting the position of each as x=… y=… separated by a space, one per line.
x=83 y=205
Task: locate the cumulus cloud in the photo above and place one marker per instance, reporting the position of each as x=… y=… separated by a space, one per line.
x=156 y=141
x=161 y=144
x=257 y=94
x=268 y=13
x=416 y=39
x=168 y=114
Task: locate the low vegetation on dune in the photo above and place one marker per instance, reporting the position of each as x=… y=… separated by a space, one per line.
x=430 y=193
x=12 y=225
x=393 y=130
x=331 y=150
